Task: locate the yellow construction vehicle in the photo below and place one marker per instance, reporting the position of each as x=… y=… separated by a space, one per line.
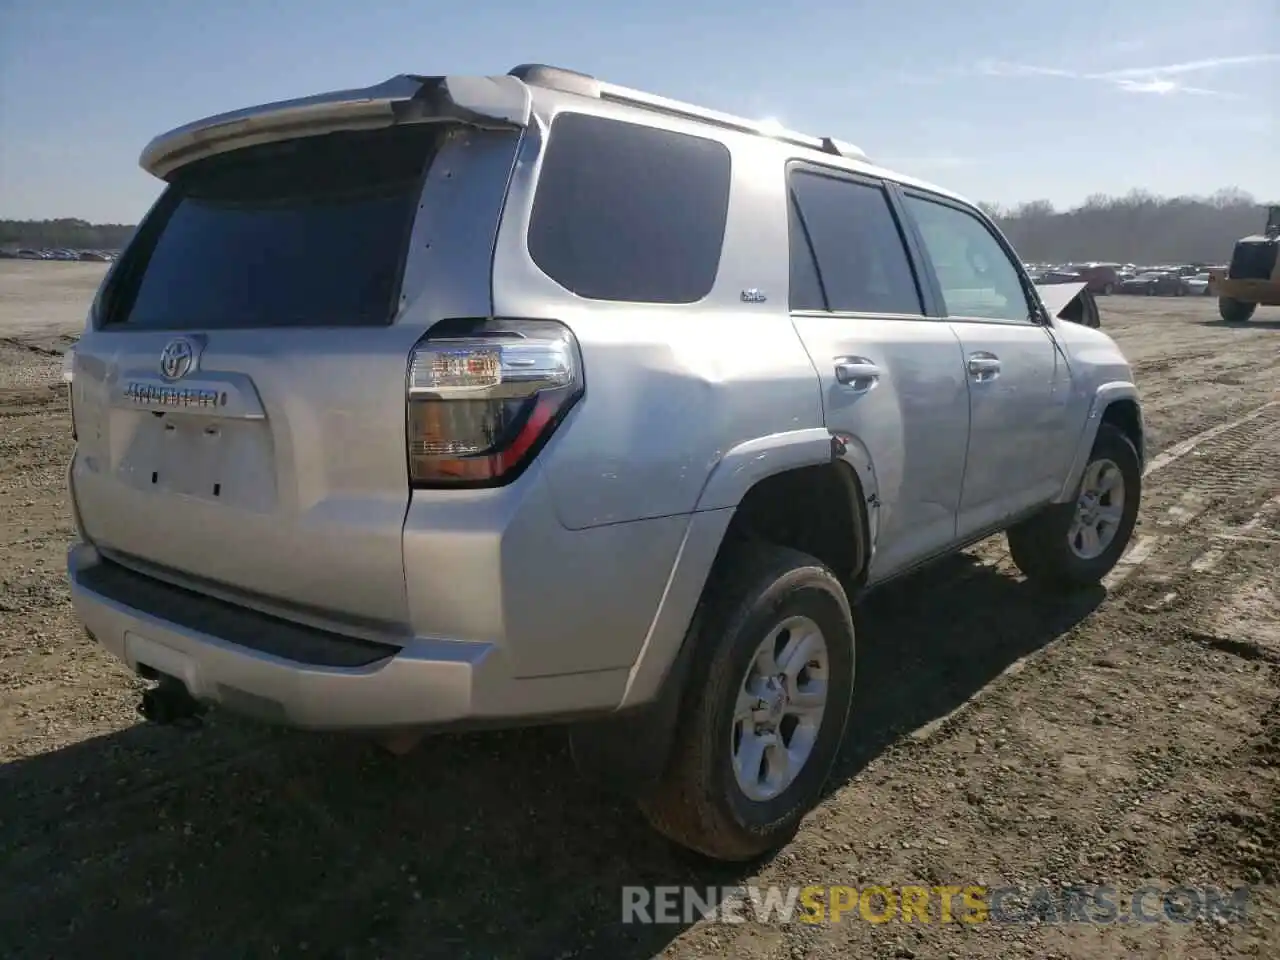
x=1253 y=276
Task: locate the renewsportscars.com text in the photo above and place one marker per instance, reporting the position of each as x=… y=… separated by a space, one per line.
x=972 y=904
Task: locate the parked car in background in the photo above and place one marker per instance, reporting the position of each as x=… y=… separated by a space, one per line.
x=1156 y=283
x=1198 y=285
x=1099 y=278
x=1102 y=278
x=1055 y=275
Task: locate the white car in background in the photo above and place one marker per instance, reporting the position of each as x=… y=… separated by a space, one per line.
x=1197 y=285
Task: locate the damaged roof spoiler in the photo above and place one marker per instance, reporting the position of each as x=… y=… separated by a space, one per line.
x=499 y=101
x=1056 y=297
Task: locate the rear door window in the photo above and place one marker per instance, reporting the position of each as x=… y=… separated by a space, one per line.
x=310 y=232
x=848 y=229
x=628 y=212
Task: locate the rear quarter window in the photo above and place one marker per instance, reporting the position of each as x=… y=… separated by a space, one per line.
x=629 y=213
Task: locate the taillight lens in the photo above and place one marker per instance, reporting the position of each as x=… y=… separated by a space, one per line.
x=485 y=395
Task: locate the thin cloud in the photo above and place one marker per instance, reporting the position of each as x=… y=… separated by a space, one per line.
x=1002 y=68
x=1193 y=66
x=1155 y=80
x=1165 y=87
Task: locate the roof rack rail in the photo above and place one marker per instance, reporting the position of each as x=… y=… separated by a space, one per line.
x=583 y=84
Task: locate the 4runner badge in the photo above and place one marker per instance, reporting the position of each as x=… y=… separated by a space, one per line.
x=753 y=296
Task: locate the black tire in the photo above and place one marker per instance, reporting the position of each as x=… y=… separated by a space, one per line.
x=1040 y=546
x=1235 y=311
x=699 y=803
x=1108 y=289
x=1151 y=290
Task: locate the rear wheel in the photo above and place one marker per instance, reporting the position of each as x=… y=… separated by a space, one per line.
x=1235 y=311
x=766 y=709
x=1071 y=545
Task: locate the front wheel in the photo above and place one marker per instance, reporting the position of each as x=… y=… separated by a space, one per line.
x=765 y=713
x=1235 y=311
x=1071 y=545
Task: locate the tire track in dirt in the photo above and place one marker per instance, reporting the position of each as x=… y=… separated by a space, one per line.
x=1222 y=481
x=63 y=343
x=1159 y=712
x=1244 y=439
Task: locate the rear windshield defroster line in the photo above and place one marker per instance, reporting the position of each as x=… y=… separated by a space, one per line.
x=312 y=232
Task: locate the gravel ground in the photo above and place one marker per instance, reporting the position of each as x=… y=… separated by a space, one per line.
x=1123 y=737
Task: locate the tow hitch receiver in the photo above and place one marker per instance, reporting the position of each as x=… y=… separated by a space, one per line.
x=169 y=704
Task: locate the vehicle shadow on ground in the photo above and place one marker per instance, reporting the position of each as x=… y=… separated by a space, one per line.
x=1254 y=324
x=234 y=841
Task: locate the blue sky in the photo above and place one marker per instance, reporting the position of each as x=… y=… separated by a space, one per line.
x=1003 y=100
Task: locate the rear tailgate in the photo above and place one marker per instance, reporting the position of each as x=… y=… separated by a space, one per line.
x=240 y=396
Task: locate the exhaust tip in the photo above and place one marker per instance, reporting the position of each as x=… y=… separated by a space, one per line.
x=169 y=704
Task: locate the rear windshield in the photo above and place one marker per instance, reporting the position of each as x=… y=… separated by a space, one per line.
x=311 y=232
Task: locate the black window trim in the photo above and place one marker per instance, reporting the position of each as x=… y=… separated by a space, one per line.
x=793 y=207
x=1036 y=316
x=928 y=306
x=125 y=274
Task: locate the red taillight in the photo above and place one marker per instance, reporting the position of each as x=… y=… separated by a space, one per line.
x=484 y=396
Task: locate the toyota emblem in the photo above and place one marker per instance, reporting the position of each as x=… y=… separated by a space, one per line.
x=177 y=358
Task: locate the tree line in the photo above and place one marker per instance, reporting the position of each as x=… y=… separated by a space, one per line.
x=1138 y=227
x=67 y=233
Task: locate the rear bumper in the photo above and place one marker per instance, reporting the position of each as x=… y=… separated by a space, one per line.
x=307 y=678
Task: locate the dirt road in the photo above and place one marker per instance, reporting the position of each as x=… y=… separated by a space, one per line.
x=1123 y=737
x=42 y=302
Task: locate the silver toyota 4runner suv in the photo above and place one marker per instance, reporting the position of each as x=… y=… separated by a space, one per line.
x=463 y=401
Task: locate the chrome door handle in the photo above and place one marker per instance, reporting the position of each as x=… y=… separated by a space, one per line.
x=856 y=373
x=984 y=366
